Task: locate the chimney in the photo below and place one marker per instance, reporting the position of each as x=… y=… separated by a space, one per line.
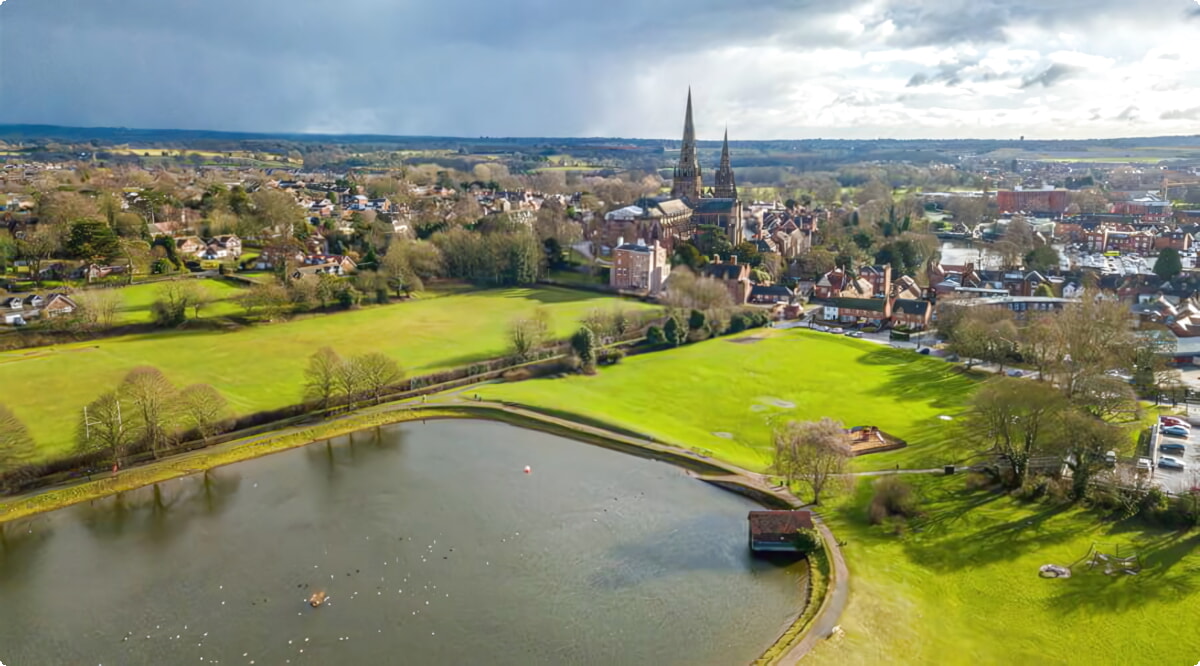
x=641 y=242
x=733 y=259
x=716 y=259
x=620 y=241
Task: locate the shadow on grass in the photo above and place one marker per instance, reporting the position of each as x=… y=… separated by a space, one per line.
x=914 y=377
x=1165 y=578
x=554 y=295
x=943 y=548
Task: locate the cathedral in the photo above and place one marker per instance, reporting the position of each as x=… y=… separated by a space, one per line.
x=689 y=206
x=718 y=207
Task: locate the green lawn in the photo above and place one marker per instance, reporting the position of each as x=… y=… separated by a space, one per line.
x=136 y=300
x=740 y=388
x=962 y=586
x=261 y=367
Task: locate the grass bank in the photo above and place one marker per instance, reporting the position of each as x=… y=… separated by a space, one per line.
x=961 y=585
x=723 y=397
x=136 y=300
x=262 y=367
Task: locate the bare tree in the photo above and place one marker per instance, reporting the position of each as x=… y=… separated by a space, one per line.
x=811 y=451
x=105 y=426
x=153 y=402
x=1015 y=420
x=687 y=291
x=376 y=372
x=203 y=407
x=98 y=307
x=528 y=334
x=321 y=378
x=350 y=382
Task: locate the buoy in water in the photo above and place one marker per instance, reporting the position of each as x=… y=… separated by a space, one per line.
x=528 y=469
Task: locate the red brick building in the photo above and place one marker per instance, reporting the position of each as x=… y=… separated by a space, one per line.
x=1053 y=202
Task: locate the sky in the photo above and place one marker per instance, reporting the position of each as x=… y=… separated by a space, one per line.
x=767 y=69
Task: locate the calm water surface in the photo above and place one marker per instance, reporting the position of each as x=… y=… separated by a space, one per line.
x=434 y=548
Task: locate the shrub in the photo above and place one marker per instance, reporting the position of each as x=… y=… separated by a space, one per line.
x=737 y=324
x=696 y=320
x=610 y=356
x=808 y=540
x=892 y=498
x=168 y=314
x=654 y=336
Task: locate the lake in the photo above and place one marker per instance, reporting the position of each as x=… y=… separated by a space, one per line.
x=434 y=548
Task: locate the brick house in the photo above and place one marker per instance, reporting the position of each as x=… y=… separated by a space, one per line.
x=640 y=266
x=735 y=276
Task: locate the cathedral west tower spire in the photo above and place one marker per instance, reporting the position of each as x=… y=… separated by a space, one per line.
x=726 y=187
x=686 y=182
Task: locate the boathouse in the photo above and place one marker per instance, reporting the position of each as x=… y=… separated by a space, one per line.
x=775 y=531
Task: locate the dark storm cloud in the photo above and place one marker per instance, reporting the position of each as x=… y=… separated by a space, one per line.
x=943 y=22
x=1049 y=76
x=537 y=66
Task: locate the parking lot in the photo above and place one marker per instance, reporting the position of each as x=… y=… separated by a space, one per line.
x=1174 y=480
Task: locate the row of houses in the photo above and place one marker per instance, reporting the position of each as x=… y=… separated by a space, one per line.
x=21 y=309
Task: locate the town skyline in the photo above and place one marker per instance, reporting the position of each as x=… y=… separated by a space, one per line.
x=863 y=70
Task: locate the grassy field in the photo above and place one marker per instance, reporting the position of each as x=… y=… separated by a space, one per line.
x=722 y=397
x=136 y=300
x=261 y=367
x=962 y=586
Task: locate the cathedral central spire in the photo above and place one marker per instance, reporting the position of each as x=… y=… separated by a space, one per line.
x=687 y=173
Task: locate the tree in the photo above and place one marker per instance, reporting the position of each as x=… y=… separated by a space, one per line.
x=687 y=291
x=267 y=300
x=811 y=451
x=583 y=344
x=376 y=372
x=528 y=334
x=1042 y=258
x=1014 y=419
x=686 y=254
x=1087 y=441
x=655 y=336
x=202 y=407
x=1039 y=343
x=97 y=307
x=276 y=211
x=16 y=444
x=92 y=240
x=984 y=333
x=1093 y=337
x=1044 y=290
x=712 y=241
x=673 y=332
x=153 y=405
x=1168 y=264
x=350 y=382
x=816 y=262
x=174 y=299
x=37 y=246
x=321 y=378
x=106 y=425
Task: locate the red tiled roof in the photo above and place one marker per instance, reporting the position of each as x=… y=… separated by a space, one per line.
x=778 y=525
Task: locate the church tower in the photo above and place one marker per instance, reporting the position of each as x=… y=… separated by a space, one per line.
x=686 y=183
x=726 y=187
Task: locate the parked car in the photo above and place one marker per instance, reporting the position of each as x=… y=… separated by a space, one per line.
x=924 y=351
x=1171 y=448
x=1110 y=458
x=1014 y=373
x=855 y=334
x=1144 y=465
x=1173 y=421
x=1167 y=462
x=1176 y=431
x=837 y=330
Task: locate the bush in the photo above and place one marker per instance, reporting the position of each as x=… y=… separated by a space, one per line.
x=654 y=336
x=808 y=540
x=892 y=498
x=610 y=356
x=737 y=324
x=168 y=314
